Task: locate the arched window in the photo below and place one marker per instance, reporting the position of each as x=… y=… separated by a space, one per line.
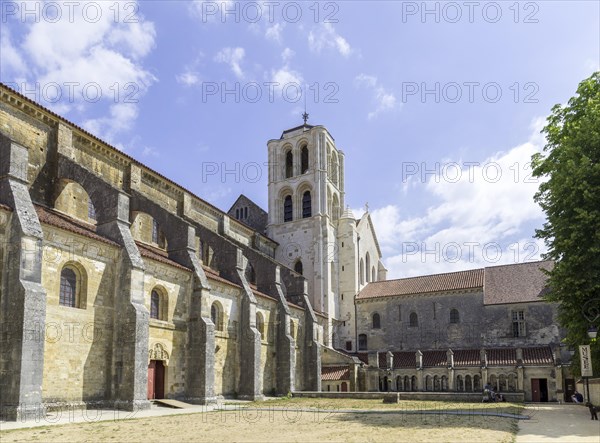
x=413 y=383
x=373 y=275
x=407 y=383
x=428 y=383
x=154 y=231
x=454 y=316
x=68 y=288
x=298 y=267
x=361 y=271
x=304 y=160
x=376 y=321
x=444 y=383
x=413 y=320
x=468 y=383
x=362 y=342
x=306 y=205
x=368 y=266
x=436 y=383
x=459 y=383
x=260 y=325
x=288 y=209
x=289 y=164
x=155 y=305
x=216 y=315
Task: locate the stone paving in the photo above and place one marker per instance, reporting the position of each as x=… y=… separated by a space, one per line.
x=551 y=422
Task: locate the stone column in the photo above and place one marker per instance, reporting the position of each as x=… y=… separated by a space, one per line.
x=250 y=375
x=286 y=355
x=311 y=348
x=23 y=301
x=130 y=336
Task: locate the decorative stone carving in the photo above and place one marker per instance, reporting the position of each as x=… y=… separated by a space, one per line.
x=158 y=352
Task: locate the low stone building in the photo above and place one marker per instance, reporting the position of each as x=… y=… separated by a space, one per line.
x=462 y=330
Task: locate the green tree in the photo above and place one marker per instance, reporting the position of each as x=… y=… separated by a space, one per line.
x=570 y=197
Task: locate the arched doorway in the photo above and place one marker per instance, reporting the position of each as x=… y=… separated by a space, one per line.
x=344 y=386
x=158 y=360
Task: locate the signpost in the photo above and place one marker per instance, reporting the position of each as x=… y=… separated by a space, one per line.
x=585 y=357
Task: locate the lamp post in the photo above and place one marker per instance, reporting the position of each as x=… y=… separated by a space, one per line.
x=592 y=334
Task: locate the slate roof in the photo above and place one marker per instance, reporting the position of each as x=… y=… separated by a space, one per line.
x=335 y=373
x=501 y=357
x=537 y=356
x=467 y=357
x=518 y=283
x=453 y=281
x=434 y=358
x=404 y=360
x=59 y=220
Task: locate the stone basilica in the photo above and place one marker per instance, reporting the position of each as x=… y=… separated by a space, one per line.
x=119 y=286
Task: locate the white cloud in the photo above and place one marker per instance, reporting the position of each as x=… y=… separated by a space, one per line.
x=384 y=100
x=324 y=36
x=484 y=215
x=233 y=57
x=188 y=78
x=287 y=54
x=90 y=62
x=274 y=32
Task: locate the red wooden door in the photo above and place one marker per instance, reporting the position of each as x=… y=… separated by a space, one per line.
x=159 y=380
x=151 y=372
x=535 y=389
x=344 y=387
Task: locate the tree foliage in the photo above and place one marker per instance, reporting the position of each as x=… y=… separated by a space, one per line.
x=570 y=197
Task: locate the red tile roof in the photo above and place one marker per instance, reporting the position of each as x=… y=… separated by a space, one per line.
x=404 y=360
x=335 y=373
x=59 y=220
x=501 y=357
x=363 y=356
x=434 y=358
x=518 y=283
x=453 y=281
x=537 y=356
x=467 y=357
x=159 y=255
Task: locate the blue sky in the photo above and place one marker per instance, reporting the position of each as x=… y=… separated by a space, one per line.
x=454 y=88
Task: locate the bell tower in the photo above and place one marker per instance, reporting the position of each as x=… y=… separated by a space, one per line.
x=306 y=194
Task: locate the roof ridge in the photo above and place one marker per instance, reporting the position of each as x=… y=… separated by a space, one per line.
x=428 y=275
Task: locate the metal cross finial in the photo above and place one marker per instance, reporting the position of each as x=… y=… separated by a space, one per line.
x=305 y=117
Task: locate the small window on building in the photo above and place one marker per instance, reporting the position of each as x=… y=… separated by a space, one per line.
x=349 y=345
x=304 y=160
x=289 y=164
x=287 y=209
x=413 y=320
x=216 y=315
x=306 y=205
x=68 y=288
x=246 y=212
x=376 y=321
x=298 y=267
x=154 y=231
x=454 y=316
x=237 y=214
x=518 y=323
x=155 y=305
x=362 y=342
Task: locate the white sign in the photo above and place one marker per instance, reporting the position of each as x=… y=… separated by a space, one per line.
x=586 y=361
